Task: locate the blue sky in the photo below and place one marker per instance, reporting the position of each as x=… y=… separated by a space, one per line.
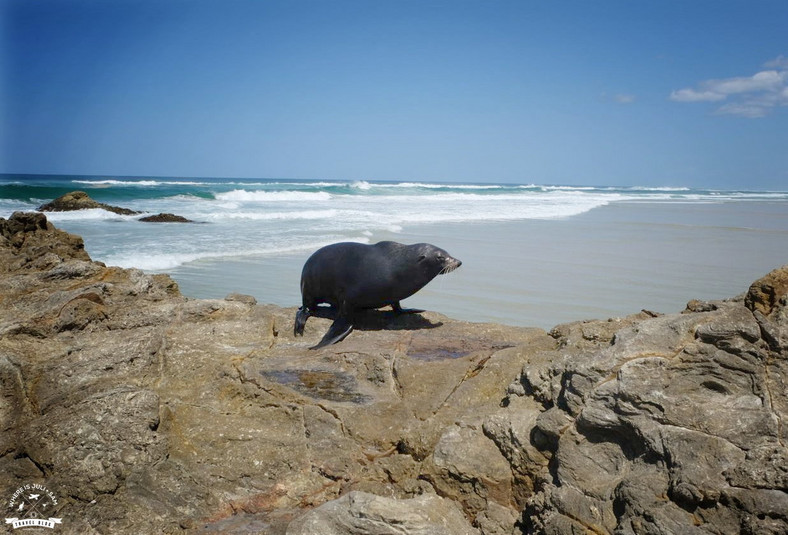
x=690 y=93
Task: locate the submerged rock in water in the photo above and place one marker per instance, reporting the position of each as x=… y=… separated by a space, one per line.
x=165 y=218
x=144 y=411
x=79 y=200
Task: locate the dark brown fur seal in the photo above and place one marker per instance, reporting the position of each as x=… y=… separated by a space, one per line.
x=354 y=276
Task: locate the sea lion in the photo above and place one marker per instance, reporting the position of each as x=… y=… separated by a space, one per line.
x=354 y=276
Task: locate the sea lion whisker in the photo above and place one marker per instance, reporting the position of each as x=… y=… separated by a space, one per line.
x=448 y=269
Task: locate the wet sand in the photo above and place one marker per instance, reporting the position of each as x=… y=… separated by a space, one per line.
x=609 y=262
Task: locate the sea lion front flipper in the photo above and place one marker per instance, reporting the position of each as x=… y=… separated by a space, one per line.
x=399 y=310
x=300 y=320
x=341 y=327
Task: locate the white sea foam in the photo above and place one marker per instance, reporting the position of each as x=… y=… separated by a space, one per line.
x=478 y=208
x=246 y=218
x=293 y=184
x=272 y=196
x=271 y=216
x=186 y=197
x=425 y=185
x=388 y=211
x=567 y=188
x=159 y=261
x=381 y=211
x=9 y=206
x=90 y=214
x=664 y=188
x=743 y=195
x=705 y=198
x=141 y=182
x=155 y=262
x=353 y=212
x=110 y=182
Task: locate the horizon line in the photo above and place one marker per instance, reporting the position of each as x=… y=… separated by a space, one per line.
x=448 y=183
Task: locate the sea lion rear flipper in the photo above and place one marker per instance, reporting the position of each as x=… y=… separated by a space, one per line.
x=336 y=333
x=399 y=310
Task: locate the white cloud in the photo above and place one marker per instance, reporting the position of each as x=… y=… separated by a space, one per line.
x=690 y=95
x=747 y=96
x=753 y=111
x=762 y=81
x=780 y=62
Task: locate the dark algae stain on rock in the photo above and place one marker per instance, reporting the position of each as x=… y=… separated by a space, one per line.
x=319 y=384
x=425 y=348
x=436 y=353
x=147 y=412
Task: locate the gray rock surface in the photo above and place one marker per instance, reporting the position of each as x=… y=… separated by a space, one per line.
x=148 y=412
x=362 y=513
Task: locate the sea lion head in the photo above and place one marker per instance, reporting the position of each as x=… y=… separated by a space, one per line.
x=433 y=261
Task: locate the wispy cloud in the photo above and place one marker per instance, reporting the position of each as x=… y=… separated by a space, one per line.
x=780 y=62
x=624 y=98
x=694 y=95
x=747 y=96
x=618 y=98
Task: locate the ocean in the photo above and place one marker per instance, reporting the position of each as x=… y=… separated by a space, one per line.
x=534 y=255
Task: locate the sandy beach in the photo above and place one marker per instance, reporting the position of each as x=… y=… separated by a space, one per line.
x=609 y=262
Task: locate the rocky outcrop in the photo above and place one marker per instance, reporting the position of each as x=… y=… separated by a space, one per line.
x=675 y=426
x=29 y=241
x=165 y=218
x=148 y=412
x=79 y=200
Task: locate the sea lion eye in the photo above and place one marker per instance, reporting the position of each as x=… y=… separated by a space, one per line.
x=422 y=257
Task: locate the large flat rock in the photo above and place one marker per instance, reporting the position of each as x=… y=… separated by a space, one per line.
x=148 y=412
